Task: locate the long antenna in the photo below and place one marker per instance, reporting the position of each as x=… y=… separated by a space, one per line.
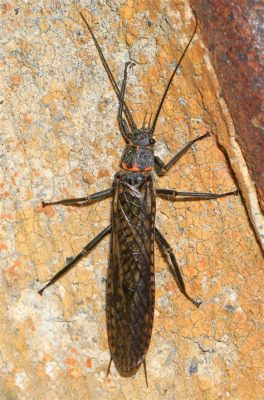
x=174 y=72
x=128 y=114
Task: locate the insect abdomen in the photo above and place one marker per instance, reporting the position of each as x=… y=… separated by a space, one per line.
x=130 y=289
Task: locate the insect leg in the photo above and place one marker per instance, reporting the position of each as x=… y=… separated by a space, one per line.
x=161 y=168
x=81 y=201
x=206 y=196
x=83 y=253
x=176 y=270
x=122 y=122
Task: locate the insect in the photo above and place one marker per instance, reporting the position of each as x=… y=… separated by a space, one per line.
x=130 y=280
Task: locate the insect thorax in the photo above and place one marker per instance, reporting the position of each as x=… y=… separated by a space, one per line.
x=133 y=178
x=137 y=158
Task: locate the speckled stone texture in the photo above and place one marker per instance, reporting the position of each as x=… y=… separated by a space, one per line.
x=60 y=139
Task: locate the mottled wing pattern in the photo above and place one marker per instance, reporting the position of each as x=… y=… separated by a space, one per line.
x=131 y=286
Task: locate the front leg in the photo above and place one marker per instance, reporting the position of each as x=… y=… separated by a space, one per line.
x=122 y=122
x=161 y=168
x=81 y=201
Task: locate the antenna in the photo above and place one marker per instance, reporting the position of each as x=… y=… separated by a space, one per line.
x=110 y=76
x=172 y=76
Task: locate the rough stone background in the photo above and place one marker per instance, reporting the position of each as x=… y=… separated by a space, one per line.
x=60 y=139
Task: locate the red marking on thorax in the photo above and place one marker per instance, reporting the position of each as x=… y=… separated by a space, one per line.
x=135 y=168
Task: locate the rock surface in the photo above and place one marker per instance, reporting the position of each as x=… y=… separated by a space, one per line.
x=233 y=32
x=60 y=139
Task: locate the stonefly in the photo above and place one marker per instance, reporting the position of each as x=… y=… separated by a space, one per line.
x=130 y=296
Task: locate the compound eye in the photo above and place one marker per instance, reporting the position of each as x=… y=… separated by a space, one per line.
x=152 y=141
